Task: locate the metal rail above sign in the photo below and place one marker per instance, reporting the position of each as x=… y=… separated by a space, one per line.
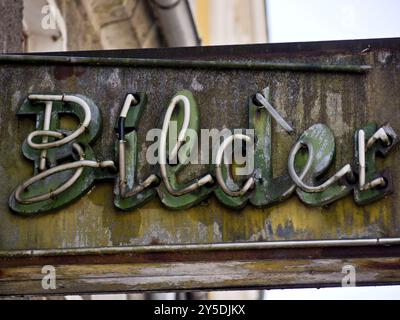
x=244 y=161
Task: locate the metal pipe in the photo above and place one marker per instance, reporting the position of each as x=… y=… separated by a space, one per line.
x=121 y=150
x=151 y=180
x=44 y=133
x=130 y=98
x=181 y=138
x=64 y=167
x=68 y=98
x=182 y=133
x=303 y=173
x=361 y=158
x=46 y=127
x=177 y=21
x=379 y=135
x=313 y=189
x=122 y=168
x=378 y=182
x=56 y=192
x=278 y=118
x=202 y=247
x=121 y=129
x=185 y=125
x=123 y=184
x=218 y=172
x=191 y=64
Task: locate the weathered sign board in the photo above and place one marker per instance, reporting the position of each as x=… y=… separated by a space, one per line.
x=79 y=193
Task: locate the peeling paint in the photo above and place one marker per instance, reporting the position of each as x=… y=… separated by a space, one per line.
x=114 y=80
x=196 y=85
x=384 y=56
x=335 y=120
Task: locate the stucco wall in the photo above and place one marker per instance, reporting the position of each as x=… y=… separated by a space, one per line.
x=11 y=35
x=81 y=34
x=116 y=24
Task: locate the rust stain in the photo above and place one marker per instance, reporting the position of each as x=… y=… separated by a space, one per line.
x=65 y=72
x=386 y=265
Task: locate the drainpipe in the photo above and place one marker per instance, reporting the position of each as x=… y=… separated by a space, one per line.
x=177 y=23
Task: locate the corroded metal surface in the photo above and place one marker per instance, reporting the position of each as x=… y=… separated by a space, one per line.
x=342 y=100
x=113 y=278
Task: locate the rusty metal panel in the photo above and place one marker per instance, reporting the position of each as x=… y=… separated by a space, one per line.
x=342 y=85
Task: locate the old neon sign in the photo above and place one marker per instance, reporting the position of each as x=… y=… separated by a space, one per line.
x=66 y=167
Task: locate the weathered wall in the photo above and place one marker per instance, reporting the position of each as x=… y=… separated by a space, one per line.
x=11 y=30
x=116 y=24
x=81 y=34
x=123 y=23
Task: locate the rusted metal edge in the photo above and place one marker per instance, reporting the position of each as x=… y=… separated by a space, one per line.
x=201 y=247
x=235 y=52
x=195 y=64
